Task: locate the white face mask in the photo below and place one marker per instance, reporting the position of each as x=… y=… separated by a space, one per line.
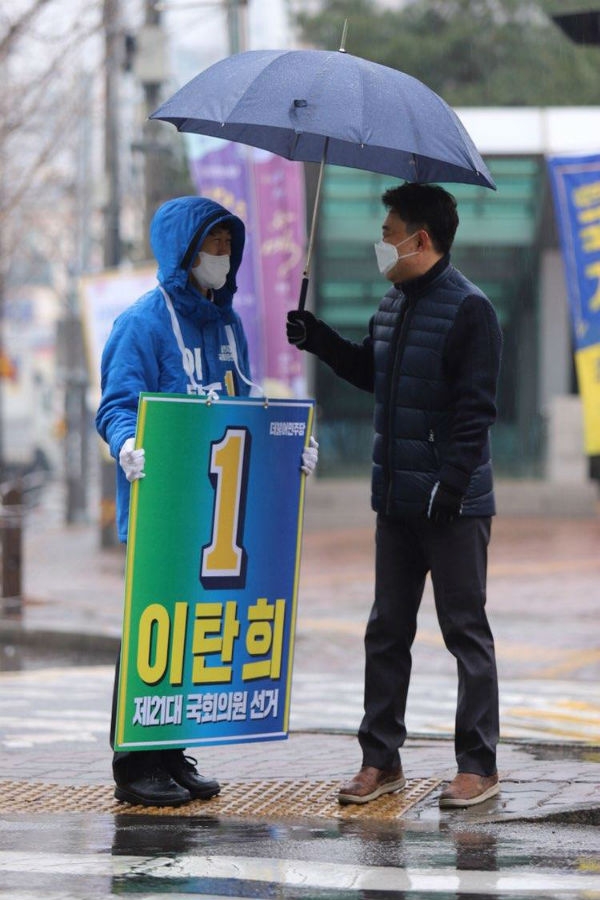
x=387 y=254
x=211 y=271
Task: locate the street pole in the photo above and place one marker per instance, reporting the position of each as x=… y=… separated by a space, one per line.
x=73 y=366
x=113 y=47
x=70 y=346
x=112 y=209
x=236 y=25
x=151 y=71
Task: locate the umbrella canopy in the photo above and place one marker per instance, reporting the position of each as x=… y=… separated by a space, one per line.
x=315 y=105
x=329 y=107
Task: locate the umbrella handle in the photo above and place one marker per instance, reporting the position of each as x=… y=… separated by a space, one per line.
x=303 y=293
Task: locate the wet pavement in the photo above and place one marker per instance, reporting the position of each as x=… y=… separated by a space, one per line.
x=55 y=685
x=167 y=857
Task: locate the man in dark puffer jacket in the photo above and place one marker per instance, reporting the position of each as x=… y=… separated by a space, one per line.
x=431 y=358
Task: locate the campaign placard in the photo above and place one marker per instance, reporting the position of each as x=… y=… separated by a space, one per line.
x=212 y=570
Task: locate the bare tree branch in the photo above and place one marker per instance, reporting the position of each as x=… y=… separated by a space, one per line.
x=43 y=101
x=33 y=94
x=16 y=29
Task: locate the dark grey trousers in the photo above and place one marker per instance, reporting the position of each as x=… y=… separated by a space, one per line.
x=456 y=556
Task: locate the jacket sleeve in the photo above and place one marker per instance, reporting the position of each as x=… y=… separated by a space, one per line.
x=472 y=357
x=351 y=361
x=129 y=366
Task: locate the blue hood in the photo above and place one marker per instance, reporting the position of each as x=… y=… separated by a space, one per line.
x=178 y=230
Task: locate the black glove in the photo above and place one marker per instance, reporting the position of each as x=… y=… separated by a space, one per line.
x=300 y=325
x=445 y=505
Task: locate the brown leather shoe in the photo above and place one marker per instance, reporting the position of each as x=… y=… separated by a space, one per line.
x=371 y=783
x=467 y=789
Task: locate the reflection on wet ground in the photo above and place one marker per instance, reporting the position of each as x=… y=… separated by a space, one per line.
x=487 y=848
x=22 y=657
x=125 y=854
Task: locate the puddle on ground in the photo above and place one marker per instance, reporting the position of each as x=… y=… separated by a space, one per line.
x=17 y=657
x=550 y=752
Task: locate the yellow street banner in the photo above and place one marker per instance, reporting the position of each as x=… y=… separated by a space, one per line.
x=576 y=187
x=587 y=363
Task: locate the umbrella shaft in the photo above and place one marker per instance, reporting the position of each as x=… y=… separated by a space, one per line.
x=315 y=214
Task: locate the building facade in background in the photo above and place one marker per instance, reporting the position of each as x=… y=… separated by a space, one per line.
x=507 y=243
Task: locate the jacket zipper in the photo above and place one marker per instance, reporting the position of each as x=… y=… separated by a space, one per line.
x=400 y=332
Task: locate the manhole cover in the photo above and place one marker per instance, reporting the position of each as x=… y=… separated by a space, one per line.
x=241 y=799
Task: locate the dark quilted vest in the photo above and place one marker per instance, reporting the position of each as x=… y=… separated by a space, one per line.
x=413 y=411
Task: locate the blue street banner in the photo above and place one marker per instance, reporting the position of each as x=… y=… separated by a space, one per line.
x=212 y=571
x=576 y=189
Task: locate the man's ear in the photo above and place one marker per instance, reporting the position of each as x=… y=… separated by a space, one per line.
x=424 y=241
x=426 y=244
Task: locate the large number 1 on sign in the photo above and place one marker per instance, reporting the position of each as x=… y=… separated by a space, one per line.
x=223 y=561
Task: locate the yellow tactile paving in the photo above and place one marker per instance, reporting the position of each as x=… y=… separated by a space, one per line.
x=294 y=799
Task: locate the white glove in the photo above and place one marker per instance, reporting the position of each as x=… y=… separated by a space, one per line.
x=310 y=457
x=132 y=461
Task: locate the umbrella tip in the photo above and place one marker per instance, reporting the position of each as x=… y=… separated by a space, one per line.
x=342 y=48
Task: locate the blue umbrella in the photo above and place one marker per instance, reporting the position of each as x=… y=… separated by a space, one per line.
x=329 y=107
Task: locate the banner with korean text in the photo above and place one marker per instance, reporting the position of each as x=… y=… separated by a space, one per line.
x=212 y=572
x=576 y=188
x=267 y=193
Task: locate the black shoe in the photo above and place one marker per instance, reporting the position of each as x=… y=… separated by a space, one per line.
x=153 y=788
x=183 y=770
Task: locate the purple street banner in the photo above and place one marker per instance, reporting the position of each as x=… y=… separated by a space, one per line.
x=575 y=184
x=267 y=193
x=212 y=571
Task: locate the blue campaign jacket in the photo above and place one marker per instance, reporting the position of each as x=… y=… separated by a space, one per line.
x=142 y=352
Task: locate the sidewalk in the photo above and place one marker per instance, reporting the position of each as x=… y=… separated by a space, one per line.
x=73 y=598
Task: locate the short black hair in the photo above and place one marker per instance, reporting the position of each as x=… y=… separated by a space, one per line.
x=426 y=206
x=220 y=226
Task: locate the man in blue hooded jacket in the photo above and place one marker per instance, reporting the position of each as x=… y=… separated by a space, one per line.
x=182 y=337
